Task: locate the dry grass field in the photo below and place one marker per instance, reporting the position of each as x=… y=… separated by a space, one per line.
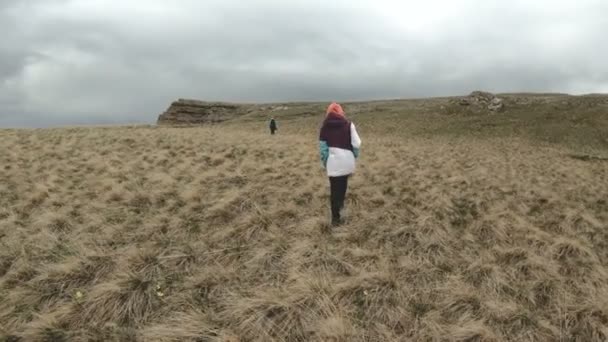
x=221 y=234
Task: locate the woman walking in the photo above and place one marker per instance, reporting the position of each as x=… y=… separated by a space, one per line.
x=339 y=146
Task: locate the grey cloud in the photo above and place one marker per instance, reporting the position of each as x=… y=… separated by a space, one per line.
x=86 y=61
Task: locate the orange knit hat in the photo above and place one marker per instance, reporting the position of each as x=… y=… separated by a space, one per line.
x=335 y=108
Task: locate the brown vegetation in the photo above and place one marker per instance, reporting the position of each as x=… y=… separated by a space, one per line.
x=221 y=234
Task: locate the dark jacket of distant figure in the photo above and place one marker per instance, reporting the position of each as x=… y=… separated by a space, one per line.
x=273 y=125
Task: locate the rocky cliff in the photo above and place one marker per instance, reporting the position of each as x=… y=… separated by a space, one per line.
x=188 y=112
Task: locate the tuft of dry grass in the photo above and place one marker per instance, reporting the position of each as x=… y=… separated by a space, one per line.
x=221 y=234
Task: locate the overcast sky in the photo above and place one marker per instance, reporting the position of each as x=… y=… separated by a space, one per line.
x=66 y=62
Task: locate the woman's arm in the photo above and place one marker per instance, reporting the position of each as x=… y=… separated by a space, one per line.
x=323 y=152
x=355 y=140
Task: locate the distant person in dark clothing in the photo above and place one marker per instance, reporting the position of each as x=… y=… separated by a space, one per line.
x=273 y=126
x=339 y=146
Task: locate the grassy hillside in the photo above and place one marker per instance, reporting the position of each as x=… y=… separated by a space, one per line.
x=461 y=226
x=571 y=121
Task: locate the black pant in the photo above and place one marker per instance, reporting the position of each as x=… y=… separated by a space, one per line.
x=272 y=130
x=338 y=187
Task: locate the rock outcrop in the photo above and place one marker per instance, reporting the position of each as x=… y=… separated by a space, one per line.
x=192 y=112
x=484 y=100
